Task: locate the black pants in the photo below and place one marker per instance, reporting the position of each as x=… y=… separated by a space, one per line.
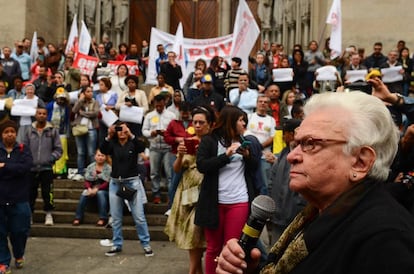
x=45 y=179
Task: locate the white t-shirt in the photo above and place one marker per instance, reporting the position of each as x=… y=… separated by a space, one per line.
x=261 y=127
x=232 y=188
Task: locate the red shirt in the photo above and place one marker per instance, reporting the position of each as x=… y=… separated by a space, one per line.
x=176 y=129
x=275 y=107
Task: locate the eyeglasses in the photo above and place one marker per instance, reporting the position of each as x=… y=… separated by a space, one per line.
x=308 y=144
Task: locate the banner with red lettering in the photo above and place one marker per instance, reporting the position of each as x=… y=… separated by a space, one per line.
x=86 y=64
x=193 y=49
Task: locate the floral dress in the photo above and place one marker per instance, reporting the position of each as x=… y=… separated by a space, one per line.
x=180 y=225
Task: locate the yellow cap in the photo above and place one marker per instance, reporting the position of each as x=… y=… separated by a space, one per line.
x=373 y=73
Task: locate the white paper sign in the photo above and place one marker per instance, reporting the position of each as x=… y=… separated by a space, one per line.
x=356 y=75
x=2 y=102
x=283 y=75
x=73 y=96
x=326 y=73
x=131 y=114
x=24 y=107
x=390 y=75
x=108 y=116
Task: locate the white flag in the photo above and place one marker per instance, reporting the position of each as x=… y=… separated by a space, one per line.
x=84 y=39
x=335 y=20
x=178 y=48
x=34 y=48
x=73 y=36
x=245 y=33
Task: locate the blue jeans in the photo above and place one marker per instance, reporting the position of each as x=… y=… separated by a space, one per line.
x=15 y=223
x=86 y=144
x=175 y=180
x=158 y=158
x=102 y=199
x=116 y=205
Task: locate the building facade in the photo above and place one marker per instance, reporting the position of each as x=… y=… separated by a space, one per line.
x=282 y=21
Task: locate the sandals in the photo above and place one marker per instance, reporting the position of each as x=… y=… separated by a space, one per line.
x=76 y=222
x=101 y=222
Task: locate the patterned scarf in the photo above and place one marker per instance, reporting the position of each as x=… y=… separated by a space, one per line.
x=290 y=249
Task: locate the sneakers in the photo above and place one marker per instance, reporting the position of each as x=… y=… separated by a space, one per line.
x=168 y=212
x=148 y=251
x=157 y=200
x=5 y=269
x=49 y=219
x=113 y=251
x=78 y=178
x=106 y=242
x=19 y=263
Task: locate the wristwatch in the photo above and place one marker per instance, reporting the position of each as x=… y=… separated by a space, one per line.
x=400 y=100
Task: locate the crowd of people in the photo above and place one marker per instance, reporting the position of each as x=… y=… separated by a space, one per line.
x=324 y=148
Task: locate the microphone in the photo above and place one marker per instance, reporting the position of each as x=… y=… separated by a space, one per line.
x=263 y=207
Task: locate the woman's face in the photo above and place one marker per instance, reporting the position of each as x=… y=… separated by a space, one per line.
x=321 y=172
x=404 y=53
x=102 y=87
x=59 y=79
x=88 y=93
x=123 y=49
x=100 y=158
x=284 y=63
x=290 y=98
x=240 y=125
x=122 y=71
x=200 y=124
x=9 y=136
x=201 y=66
x=84 y=81
x=131 y=85
x=29 y=91
x=297 y=56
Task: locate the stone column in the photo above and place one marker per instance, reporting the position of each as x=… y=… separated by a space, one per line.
x=163 y=15
x=224 y=17
x=97 y=33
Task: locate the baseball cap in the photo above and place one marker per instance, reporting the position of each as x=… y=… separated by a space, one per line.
x=207 y=79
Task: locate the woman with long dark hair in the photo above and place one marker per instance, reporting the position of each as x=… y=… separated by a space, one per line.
x=227 y=188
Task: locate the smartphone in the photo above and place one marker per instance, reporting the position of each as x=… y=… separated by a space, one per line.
x=245 y=144
x=191 y=146
x=118 y=128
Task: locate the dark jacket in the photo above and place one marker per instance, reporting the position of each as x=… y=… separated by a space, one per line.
x=14 y=176
x=254 y=81
x=172 y=75
x=124 y=157
x=213 y=99
x=375 y=61
x=364 y=231
x=209 y=163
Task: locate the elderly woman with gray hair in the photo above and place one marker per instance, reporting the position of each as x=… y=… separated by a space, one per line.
x=344 y=149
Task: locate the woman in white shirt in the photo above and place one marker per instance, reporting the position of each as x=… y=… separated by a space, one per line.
x=118 y=80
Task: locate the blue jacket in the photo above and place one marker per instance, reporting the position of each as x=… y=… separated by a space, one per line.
x=14 y=176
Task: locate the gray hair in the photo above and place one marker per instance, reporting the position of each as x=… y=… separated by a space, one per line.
x=369 y=123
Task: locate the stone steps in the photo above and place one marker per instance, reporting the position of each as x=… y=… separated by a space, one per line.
x=66 y=197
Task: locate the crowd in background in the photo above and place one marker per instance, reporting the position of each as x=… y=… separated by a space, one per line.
x=217 y=141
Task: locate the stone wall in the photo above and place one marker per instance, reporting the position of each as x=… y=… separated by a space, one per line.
x=20 y=18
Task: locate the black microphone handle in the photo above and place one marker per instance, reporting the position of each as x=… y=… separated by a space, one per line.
x=250 y=234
